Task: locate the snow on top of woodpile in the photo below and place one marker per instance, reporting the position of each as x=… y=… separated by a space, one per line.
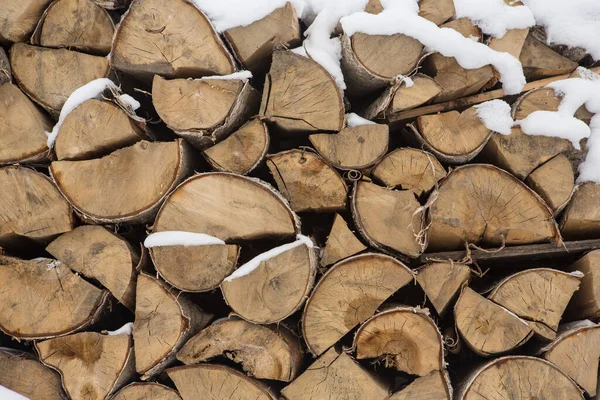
x=180 y=238
x=239 y=75
x=495 y=115
x=354 y=119
x=494 y=17
x=124 y=330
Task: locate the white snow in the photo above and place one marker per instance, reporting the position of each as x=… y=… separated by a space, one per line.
x=130 y=101
x=180 y=238
x=495 y=115
x=7 y=394
x=240 y=75
x=255 y=262
x=555 y=124
x=124 y=330
x=356 y=120
x=407 y=80
x=494 y=17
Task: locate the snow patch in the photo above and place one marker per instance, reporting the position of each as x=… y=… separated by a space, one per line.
x=495 y=115
x=180 y=238
x=7 y=394
x=494 y=17
x=255 y=262
x=356 y=120
x=240 y=75
x=124 y=330
x=408 y=82
x=130 y=101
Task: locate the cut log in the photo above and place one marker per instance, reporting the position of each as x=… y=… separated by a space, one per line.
x=19 y=18
x=544 y=99
x=341 y=243
x=49 y=76
x=146 y=391
x=585 y=302
x=92 y=365
x=23 y=129
x=353 y=148
x=581 y=218
x=519 y=377
x=435 y=386
x=336 y=376
x=347 y=295
x=452 y=136
x=253 y=44
x=118 y=186
x=538 y=295
x=23 y=373
x=487 y=328
x=442 y=281
x=409 y=169
x=275 y=288
x=242 y=151
x=96 y=128
x=97 y=253
x=540 y=61
x=75 y=24
x=482 y=204
x=169 y=39
x=164 y=321
x=403 y=338
x=31 y=206
x=389 y=220
x=217 y=382
x=554 y=181
x=300 y=95
x=307 y=181
x=436 y=11
x=45 y=299
x=265 y=352
x=513 y=40
x=205 y=110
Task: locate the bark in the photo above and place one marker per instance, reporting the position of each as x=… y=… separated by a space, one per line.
x=442 y=281
x=341 y=243
x=5 y=70
x=554 y=181
x=146 y=391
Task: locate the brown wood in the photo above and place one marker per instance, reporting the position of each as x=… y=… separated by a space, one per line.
x=436 y=386
x=112 y=4
x=436 y=11
x=341 y=243
x=586 y=301
x=554 y=181
x=19 y=18
x=540 y=61
x=442 y=281
x=513 y=40
x=146 y=391
x=581 y=218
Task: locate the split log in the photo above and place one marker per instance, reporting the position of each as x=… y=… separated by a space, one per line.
x=164 y=321
x=442 y=281
x=300 y=95
x=482 y=204
x=146 y=391
x=553 y=181
x=23 y=130
x=585 y=302
x=204 y=111
x=217 y=382
x=19 y=18
x=5 y=70
x=540 y=61
x=403 y=338
x=519 y=377
x=576 y=54
x=465 y=27
x=242 y=151
x=45 y=299
x=97 y=253
x=389 y=220
x=75 y=24
x=409 y=169
x=341 y=243
x=581 y=218
x=265 y=352
x=275 y=289
x=120 y=189
x=169 y=39
x=544 y=99
x=347 y=295
x=487 y=328
x=253 y=44
x=358 y=148
x=92 y=365
x=436 y=11
x=307 y=181
x=23 y=373
x=435 y=386
x=538 y=296
x=336 y=376
x=49 y=76
x=31 y=206
x=513 y=40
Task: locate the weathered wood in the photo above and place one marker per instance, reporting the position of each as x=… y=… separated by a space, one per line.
x=436 y=386
x=341 y=243
x=540 y=61
x=19 y=18
x=581 y=218
x=586 y=301
x=513 y=40
x=5 y=70
x=146 y=391
x=554 y=181
x=442 y=281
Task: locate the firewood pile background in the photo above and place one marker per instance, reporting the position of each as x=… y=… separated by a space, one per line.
x=301 y=200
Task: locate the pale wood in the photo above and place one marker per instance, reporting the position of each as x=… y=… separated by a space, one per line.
x=170 y=39
x=396 y=54
x=353 y=148
x=485 y=205
x=554 y=181
x=389 y=220
x=307 y=181
x=98 y=253
x=45 y=299
x=544 y=99
x=540 y=61
x=19 y=18
x=512 y=42
x=128 y=185
x=435 y=386
x=336 y=376
x=49 y=76
x=22 y=132
x=92 y=365
x=347 y=295
x=146 y=391
x=585 y=302
x=409 y=169
x=300 y=95
x=436 y=11
x=442 y=281
x=465 y=27
x=581 y=218
x=265 y=352
x=487 y=328
x=276 y=289
x=341 y=243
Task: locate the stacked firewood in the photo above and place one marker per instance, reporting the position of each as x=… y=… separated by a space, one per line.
x=197 y=231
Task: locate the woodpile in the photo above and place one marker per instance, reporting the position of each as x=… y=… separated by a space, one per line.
x=191 y=209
